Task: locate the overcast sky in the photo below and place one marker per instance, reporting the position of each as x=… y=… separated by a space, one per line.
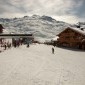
x=70 y=11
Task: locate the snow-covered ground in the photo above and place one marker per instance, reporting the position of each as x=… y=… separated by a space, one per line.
x=36 y=65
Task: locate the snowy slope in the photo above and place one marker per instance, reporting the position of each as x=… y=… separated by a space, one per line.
x=38 y=66
x=43 y=27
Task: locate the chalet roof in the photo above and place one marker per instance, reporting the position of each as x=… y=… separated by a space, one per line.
x=76 y=30
x=15 y=35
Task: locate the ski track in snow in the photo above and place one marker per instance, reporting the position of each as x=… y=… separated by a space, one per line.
x=37 y=65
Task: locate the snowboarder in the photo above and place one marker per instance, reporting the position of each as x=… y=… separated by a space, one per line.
x=52 y=50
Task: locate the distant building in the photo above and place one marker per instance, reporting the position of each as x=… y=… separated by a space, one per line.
x=1 y=28
x=72 y=37
x=21 y=38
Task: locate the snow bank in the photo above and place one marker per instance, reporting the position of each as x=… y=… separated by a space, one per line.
x=36 y=65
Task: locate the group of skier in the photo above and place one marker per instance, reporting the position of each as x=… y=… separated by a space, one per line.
x=6 y=45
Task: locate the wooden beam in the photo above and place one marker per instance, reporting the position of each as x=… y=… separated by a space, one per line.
x=16 y=36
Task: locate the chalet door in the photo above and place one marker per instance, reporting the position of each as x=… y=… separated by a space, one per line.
x=80 y=46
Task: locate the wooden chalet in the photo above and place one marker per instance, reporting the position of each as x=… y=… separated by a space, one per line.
x=72 y=37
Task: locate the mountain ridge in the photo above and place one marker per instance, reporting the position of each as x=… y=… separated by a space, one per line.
x=43 y=27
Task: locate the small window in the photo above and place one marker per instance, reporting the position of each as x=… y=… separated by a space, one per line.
x=67 y=37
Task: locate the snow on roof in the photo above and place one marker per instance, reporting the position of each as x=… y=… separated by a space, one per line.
x=75 y=29
x=78 y=30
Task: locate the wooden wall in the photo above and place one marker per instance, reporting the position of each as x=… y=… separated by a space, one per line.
x=70 y=38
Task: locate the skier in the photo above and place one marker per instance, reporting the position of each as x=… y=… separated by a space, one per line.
x=28 y=45
x=52 y=50
x=5 y=47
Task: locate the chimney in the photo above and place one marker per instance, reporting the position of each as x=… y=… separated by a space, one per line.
x=82 y=29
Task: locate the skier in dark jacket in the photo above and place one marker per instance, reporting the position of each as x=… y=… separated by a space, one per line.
x=28 y=45
x=5 y=47
x=52 y=50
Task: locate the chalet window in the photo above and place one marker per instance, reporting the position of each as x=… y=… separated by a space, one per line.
x=67 y=37
x=66 y=31
x=75 y=37
x=76 y=34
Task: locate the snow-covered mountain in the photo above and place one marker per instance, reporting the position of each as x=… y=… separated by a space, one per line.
x=43 y=27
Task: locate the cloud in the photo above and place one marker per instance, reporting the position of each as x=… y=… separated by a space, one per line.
x=63 y=9
x=68 y=18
